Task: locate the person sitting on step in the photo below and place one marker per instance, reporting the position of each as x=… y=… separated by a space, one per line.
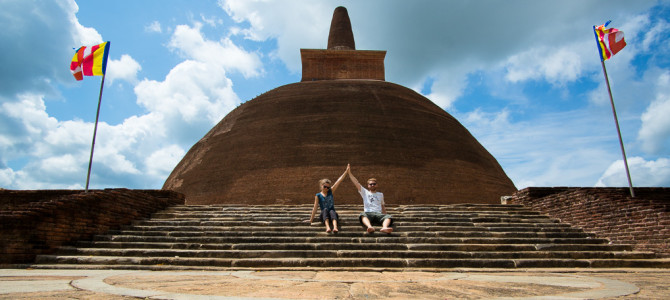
x=374 y=209
x=326 y=202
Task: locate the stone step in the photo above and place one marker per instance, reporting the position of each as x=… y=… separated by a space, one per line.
x=275 y=229
x=308 y=207
x=346 y=232
x=520 y=228
x=418 y=226
x=396 y=263
x=299 y=222
x=354 y=208
x=343 y=229
x=275 y=237
x=142 y=252
x=363 y=238
x=354 y=218
x=359 y=246
x=262 y=214
x=205 y=214
x=349 y=213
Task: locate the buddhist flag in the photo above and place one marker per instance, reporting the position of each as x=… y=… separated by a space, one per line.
x=610 y=41
x=90 y=61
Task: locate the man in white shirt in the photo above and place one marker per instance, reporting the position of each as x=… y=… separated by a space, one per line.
x=374 y=210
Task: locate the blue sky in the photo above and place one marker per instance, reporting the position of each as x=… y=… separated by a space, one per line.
x=523 y=76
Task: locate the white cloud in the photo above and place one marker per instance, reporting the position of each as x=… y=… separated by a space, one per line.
x=125 y=68
x=162 y=161
x=279 y=20
x=643 y=173
x=192 y=90
x=55 y=166
x=86 y=36
x=197 y=87
x=447 y=40
x=140 y=151
x=29 y=123
x=63 y=137
x=50 y=26
x=117 y=162
x=7 y=177
x=447 y=87
x=223 y=54
x=549 y=149
x=564 y=65
x=154 y=27
x=654 y=34
x=195 y=94
x=52 y=151
x=59 y=150
x=655 y=130
x=211 y=21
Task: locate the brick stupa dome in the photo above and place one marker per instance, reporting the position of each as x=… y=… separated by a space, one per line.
x=274 y=149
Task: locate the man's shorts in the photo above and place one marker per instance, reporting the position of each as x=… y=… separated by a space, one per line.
x=375 y=218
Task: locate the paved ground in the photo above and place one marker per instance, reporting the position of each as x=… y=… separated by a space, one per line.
x=453 y=284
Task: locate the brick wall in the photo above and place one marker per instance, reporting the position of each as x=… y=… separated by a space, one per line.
x=38 y=222
x=342 y=64
x=643 y=221
x=10 y=199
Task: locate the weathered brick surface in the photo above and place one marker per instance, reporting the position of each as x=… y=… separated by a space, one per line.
x=10 y=199
x=342 y=64
x=287 y=139
x=643 y=221
x=38 y=222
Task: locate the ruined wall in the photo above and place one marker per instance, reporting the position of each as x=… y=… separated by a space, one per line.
x=38 y=222
x=643 y=221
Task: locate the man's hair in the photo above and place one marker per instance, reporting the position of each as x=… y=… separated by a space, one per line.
x=372 y=179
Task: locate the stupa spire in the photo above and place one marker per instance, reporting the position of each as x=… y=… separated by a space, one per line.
x=341 y=60
x=341 y=37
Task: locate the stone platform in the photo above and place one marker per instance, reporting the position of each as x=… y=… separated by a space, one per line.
x=276 y=238
x=249 y=284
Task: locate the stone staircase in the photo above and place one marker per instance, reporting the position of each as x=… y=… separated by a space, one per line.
x=426 y=237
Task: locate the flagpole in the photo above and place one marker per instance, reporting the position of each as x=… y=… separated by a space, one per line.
x=616 y=121
x=95 y=130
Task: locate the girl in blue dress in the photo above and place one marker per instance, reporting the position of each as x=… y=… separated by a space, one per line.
x=326 y=202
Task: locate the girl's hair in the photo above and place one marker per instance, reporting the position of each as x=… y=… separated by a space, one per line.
x=322 y=182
